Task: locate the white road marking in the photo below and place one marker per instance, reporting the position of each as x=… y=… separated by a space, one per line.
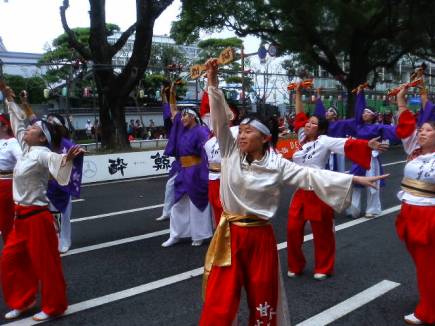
x=347 y=306
x=393 y=163
x=77 y=200
x=143 y=288
x=115 y=243
x=128 y=211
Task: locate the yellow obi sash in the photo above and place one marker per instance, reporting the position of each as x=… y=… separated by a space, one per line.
x=189 y=160
x=219 y=251
x=418 y=188
x=214 y=167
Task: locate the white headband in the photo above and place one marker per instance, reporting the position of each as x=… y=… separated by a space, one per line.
x=332 y=109
x=56 y=121
x=257 y=125
x=190 y=111
x=369 y=110
x=44 y=131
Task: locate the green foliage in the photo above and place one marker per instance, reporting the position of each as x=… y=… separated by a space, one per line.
x=367 y=35
x=60 y=56
x=163 y=55
x=33 y=85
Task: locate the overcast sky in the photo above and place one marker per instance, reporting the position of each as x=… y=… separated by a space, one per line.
x=28 y=25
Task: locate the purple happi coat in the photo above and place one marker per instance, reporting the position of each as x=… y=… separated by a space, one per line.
x=339 y=128
x=369 y=131
x=59 y=195
x=176 y=130
x=193 y=180
x=426 y=114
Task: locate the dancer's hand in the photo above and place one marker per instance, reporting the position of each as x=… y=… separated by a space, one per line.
x=73 y=152
x=368 y=181
x=212 y=70
x=378 y=146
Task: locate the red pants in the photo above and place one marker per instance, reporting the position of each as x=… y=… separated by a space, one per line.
x=416 y=226
x=29 y=257
x=305 y=206
x=215 y=199
x=6 y=208
x=254 y=265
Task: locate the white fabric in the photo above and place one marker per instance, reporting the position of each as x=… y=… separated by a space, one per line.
x=65 y=225
x=421 y=168
x=34 y=168
x=257 y=125
x=373 y=195
x=316 y=153
x=45 y=131
x=255 y=188
x=211 y=148
x=10 y=153
x=169 y=196
x=187 y=221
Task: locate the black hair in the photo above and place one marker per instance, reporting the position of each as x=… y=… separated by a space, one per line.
x=63 y=129
x=55 y=134
x=6 y=117
x=271 y=123
x=322 y=126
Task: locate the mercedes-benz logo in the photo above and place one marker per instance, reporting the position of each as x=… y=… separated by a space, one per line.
x=89 y=169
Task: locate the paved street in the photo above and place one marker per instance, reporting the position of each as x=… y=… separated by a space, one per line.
x=118 y=274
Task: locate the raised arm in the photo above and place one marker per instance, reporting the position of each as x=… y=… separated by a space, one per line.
x=218 y=112
x=17 y=116
x=319 y=110
x=406 y=128
x=173 y=100
x=360 y=105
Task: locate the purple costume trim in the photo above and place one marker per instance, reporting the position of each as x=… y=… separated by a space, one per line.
x=59 y=195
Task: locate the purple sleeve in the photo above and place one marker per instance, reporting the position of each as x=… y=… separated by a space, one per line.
x=360 y=105
x=426 y=114
x=171 y=147
x=319 y=110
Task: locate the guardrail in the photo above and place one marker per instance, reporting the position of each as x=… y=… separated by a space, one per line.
x=149 y=144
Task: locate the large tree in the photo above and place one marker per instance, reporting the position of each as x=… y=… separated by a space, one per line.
x=114 y=88
x=350 y=39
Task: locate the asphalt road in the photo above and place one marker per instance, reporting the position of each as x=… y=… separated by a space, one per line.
x=118 y=274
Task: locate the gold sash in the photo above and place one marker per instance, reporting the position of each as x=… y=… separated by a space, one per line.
x=219 y=251
x=214 y=167
x=418 y=188
x=189 y=160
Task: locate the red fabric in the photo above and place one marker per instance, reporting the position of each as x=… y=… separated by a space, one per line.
x=5 y=121
x=300 y=121
x=416 y=226
x=6 y=208
x=205 y=106
x=29 y=257
x=215 y=199
x=358 y=151
x=255 y=266
x=406 y=124
x=304 y=206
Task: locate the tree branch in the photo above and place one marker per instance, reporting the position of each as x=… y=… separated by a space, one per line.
x=160 y=6
x=72 y=40
x=121 y=41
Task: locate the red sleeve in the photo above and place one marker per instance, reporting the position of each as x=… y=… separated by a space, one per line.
x=300 y=121
x=406 y=124
x=358 y=151
x=205 y=106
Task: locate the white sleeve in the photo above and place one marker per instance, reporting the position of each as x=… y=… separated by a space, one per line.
x=219 y=121
x=16 y=150
x=335 y=189
x=58 y=167
x=17 y=117
x=410 y=143
x=335 y=145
